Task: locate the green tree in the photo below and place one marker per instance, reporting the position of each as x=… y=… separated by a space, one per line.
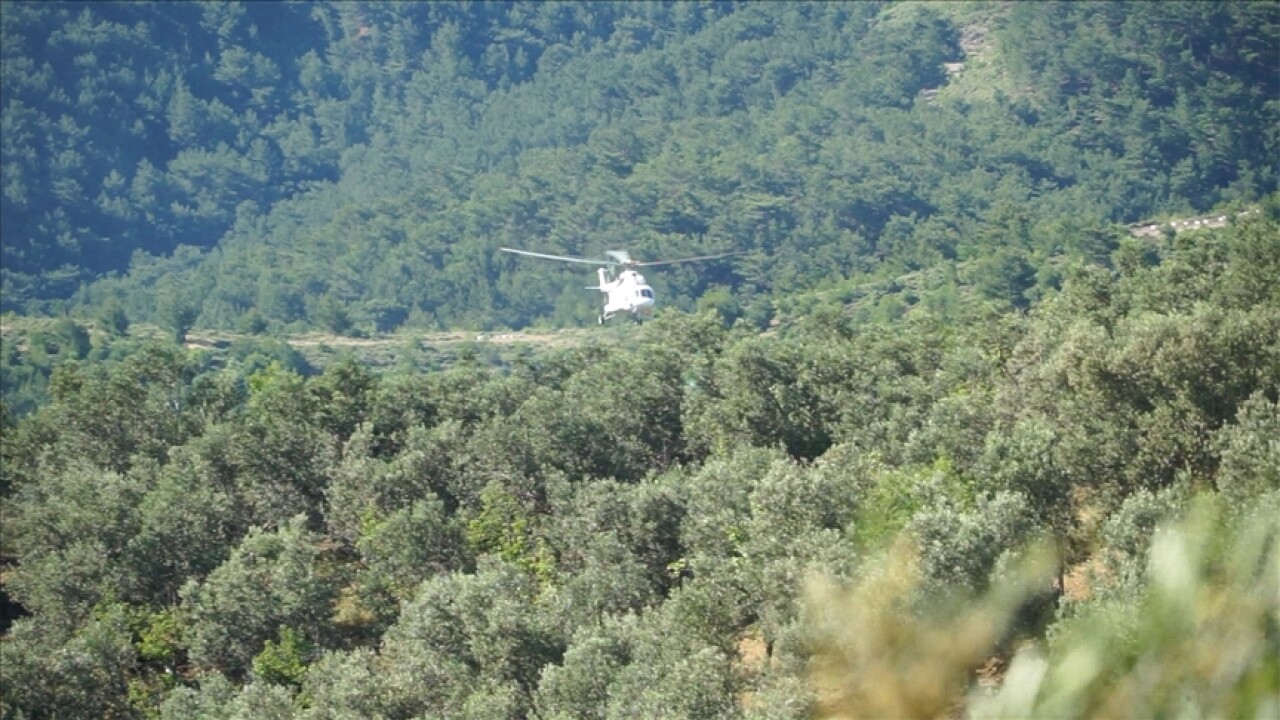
x=113 y=319
x=407 y=547
x=578 y=687
x=271 y=579
x=1006 y=276
x=331 y=315
x=84 y=673
x=1250 y=458
x=285 y=662
x=72 y=338
x=466 y=636
x=177 y=311
x=252 y=322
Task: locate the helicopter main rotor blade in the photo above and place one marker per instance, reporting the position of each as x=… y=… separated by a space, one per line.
x=558 y=257
x=682 y=260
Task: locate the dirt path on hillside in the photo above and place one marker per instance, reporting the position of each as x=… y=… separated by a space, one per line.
x=211 y=339
x=1184 y=224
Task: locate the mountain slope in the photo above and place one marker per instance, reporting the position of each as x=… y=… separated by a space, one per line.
x=398 y=146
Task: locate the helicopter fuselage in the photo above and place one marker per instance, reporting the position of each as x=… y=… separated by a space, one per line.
x=628 y=292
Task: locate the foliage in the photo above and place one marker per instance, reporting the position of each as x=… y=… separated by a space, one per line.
x=531 y=541
x=358 y=172
x=275 y=574
x=945 y=344
x=875 y=656
x=285 y=662
x=1209 y=595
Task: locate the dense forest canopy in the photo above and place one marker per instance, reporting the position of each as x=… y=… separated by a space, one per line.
x=624 y=531
x=284 y=159
x=946 y=437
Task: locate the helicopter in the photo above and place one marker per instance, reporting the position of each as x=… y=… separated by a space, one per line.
x=625 y=289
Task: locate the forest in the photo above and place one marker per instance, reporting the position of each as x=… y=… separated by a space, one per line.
x=946 y=436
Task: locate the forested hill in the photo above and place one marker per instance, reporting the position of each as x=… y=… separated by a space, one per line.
x=355 y=166
x=949 y=436
x=630 y=531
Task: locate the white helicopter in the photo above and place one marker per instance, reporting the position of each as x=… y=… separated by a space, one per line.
x=626 y=291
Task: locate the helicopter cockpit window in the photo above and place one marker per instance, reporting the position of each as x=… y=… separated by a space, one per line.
x=646 y=293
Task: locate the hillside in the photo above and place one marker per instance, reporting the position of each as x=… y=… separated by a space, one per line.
x=979 y=421
x=35 y=346
x=687 y=523
x=360 y=175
